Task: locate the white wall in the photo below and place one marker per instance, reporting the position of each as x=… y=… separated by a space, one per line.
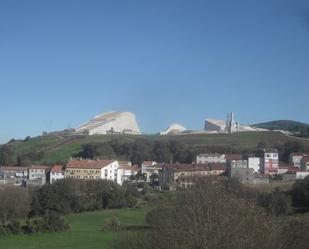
x=255 y=164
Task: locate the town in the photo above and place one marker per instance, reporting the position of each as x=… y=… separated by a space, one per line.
x=165 y=176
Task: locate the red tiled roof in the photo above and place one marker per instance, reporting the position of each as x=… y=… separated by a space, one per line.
x=88 y=164
x=39 y=167
x=196 y=167
x=13 y=168
x=124 y=163
x=148 y=163
x=300 y=154
x=305 y=159
x=57 y=169
x=233 y=157
x=293 y=169
x=284 y=165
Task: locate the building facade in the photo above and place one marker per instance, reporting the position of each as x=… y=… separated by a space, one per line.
x=210 y=158
x=255 y=164
x=13 y=175
x=56 y=173
x=270 y=162
x=37 y=175
x=295 y=158
x=184 y=175
x=92 y=169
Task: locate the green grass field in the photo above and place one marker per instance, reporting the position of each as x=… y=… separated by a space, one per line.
x=86 y=232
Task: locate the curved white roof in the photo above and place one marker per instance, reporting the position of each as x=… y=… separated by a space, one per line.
x=111 y=122
x=173 y=128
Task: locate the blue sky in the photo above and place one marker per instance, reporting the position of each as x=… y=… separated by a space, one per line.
x=63 y=62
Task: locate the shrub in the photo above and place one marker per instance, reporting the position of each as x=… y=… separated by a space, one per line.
x=112 y=224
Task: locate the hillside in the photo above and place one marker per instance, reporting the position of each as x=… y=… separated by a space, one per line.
x=51 y=149
x=286 y=125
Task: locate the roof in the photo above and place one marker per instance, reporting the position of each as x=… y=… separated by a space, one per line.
x=173 y=128
x=305 y=159
x=149 y=163
x=211 y=155
x=233 y=157
x=300 y=154
x=56 y=169
x=88 y=164
x=13 y=168
x=39 y=167
x=293 y=170
x=181 y=167
x=107 y=117
x=284 y=165
x=217 y=122
x=124 y=163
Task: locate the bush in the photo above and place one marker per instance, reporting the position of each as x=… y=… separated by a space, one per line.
x=131 y=201
x=275 y=203
x=300 y=193
x=112 y=225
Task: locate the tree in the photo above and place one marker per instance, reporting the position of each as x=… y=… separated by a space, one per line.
x=300 y=193
x=14 y=204
x=7 y=155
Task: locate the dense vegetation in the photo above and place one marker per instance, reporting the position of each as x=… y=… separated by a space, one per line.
x=40 y=209
x=52 y=149
x=221 y=214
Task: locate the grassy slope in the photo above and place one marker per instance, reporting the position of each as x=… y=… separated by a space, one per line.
x=85 y=232
x=243 y=140
x=281 y=125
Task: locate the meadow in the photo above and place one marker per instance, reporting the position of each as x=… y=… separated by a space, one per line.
x=86 y=232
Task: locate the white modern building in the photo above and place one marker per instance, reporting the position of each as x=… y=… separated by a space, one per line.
x=173 y=129
x=111 y=123
x=228 y=126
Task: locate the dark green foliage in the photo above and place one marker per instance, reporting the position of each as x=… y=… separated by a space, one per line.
x=112 y=225
x=294 y=234
x=300 y=193
x=49 y=222
x=14 y=204
x=7 y=155
x=72 y=195
x=140 y=150
x=275 y=203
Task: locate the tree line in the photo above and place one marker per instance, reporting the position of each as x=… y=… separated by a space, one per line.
x=142 y=149
x=40 y=209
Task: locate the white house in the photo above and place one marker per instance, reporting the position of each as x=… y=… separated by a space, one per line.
x=56 y=173
x=37 y=175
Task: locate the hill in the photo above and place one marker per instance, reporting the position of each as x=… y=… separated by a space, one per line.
x=286 y=125
x=50 y=149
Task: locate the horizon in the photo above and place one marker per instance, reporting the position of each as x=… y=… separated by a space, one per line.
x=62 y=63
